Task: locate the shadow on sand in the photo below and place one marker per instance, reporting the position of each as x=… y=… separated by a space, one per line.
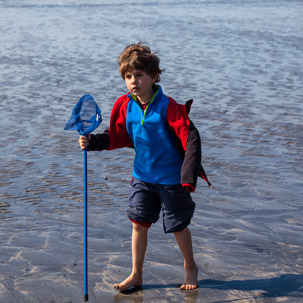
x=285 y=285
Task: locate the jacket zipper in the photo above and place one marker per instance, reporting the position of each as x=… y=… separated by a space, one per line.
x=144 y=112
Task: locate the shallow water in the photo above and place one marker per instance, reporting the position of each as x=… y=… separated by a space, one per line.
x=241 y=61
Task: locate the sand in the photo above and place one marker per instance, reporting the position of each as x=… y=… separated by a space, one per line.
x=241 y=63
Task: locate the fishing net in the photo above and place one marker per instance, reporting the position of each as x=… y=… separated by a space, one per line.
x=86 y=116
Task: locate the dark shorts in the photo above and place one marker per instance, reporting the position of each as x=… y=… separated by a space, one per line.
x=147 y=200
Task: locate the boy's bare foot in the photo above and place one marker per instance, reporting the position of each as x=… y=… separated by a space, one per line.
x=132 y=280
x=191 y=278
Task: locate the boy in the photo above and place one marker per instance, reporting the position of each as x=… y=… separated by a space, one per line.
x=167 y=145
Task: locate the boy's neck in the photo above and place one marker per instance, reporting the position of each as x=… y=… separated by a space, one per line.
x=146 y=99
x=143 y=101
x=149 y=98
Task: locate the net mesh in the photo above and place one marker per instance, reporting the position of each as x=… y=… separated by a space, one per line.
x=86 y=116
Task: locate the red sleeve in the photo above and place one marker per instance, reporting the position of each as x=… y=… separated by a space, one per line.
x=178 y=121
x=118 y=135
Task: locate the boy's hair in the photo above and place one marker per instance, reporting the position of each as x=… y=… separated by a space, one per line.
x=139 y=57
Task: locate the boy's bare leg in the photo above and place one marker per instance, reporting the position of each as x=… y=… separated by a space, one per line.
x=191 y=270
x=139 y=244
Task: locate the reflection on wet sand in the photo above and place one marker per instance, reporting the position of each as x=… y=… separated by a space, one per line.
x=137 y=296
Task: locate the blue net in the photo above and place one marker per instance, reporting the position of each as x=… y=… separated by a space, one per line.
x=86 y=116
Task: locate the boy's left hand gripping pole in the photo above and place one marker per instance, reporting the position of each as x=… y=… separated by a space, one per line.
x=85 y=225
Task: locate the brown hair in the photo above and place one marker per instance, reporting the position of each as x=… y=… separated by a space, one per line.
x=139 y=57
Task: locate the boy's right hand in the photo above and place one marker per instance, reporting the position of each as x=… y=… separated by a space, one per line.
x=84 y=141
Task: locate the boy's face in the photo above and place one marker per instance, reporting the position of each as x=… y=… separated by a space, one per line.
x=140 y=84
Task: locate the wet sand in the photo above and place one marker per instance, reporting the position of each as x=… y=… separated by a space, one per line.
x=241 y=61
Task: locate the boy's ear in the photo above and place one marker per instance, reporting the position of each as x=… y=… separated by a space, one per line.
x=154 y=79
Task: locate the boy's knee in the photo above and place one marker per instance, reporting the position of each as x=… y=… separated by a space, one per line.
x=139 y=227
x=144 y=224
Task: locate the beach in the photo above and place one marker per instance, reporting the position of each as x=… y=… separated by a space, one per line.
x=241 y=61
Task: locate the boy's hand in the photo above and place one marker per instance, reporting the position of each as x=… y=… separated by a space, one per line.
x=84 y=141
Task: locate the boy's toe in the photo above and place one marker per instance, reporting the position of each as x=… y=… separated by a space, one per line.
x=188 y=286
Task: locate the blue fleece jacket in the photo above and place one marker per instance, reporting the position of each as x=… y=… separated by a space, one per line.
x=157 y=158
